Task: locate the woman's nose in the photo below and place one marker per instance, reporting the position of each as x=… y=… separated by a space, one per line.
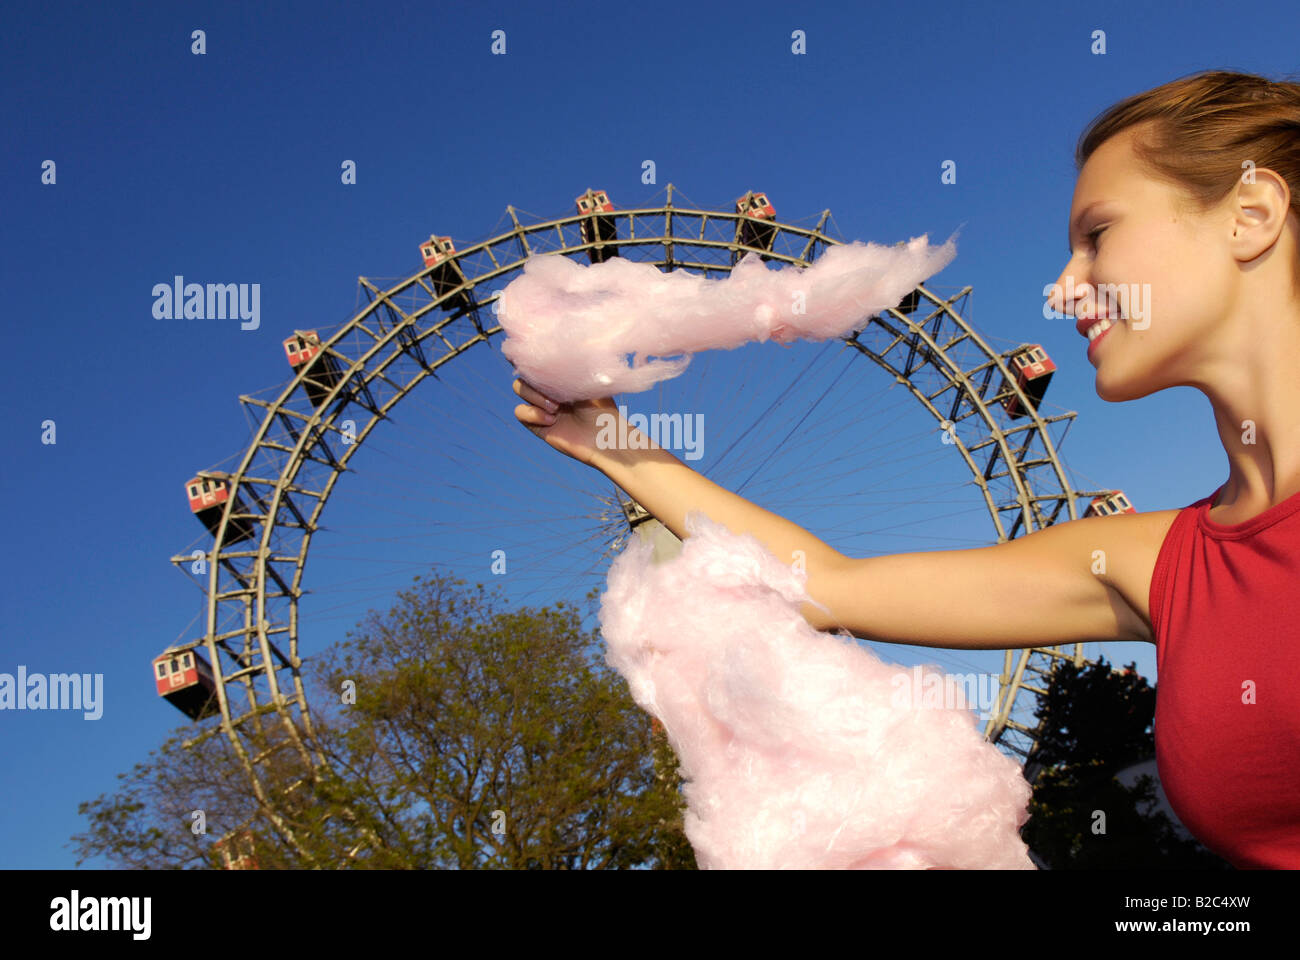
x=1067 y=287
x=1056 y=299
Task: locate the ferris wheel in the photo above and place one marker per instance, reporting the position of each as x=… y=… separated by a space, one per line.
x=968 y=414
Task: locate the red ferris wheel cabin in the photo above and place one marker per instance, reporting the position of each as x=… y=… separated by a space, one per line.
x=753 y=228
x=1033 y=369
x=185 y=680
x=208 y=494
x=236 y=851
x=598 y=227
x=440 y=254
x=305 y=352
x=1109 y=504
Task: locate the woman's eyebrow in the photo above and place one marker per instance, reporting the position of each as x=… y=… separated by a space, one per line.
x=1078 y=220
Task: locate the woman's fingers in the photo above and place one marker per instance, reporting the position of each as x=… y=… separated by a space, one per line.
x=532 y=415
x=535 y=396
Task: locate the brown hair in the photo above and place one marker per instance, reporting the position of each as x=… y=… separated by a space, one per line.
x=1201 y=127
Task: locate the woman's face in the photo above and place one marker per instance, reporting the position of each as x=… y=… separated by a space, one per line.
x=1163 y=272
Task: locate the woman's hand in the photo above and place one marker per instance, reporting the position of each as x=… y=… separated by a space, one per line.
x=571 y=428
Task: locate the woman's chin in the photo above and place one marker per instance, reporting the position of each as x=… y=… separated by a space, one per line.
x=1115 y=389
x=1107 y=391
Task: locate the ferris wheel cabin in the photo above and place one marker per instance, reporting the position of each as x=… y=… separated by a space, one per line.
x=236 y=851
x=1110 y=504
x=754 y=228
x=305 y=352
x=208 y=494
x=185 y=679
x=910 y=302
x=1033 y=369
x=598 y=228
x=440 y=254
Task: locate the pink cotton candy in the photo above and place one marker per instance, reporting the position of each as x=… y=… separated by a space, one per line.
x=570 y=327
x=795 y=751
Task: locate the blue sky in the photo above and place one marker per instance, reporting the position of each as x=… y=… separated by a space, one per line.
x=225 y=167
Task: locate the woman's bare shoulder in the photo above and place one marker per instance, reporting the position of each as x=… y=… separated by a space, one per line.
x=1134 y=541
x=1152 y=527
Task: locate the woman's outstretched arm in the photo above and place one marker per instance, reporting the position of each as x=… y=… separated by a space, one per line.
x=669 y=489
x=1033 y=591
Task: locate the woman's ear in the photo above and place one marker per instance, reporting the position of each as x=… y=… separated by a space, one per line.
x=1261 y=205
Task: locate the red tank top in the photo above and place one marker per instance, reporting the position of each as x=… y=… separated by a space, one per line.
x=1225 y=613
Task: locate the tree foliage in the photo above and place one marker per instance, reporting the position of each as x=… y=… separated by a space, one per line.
x=455 y=734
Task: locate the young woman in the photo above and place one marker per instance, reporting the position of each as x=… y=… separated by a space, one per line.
x=1186 y=217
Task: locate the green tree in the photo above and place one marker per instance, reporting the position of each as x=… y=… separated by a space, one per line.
x=456 y=735
x=1095 y=722
x=173 y=809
